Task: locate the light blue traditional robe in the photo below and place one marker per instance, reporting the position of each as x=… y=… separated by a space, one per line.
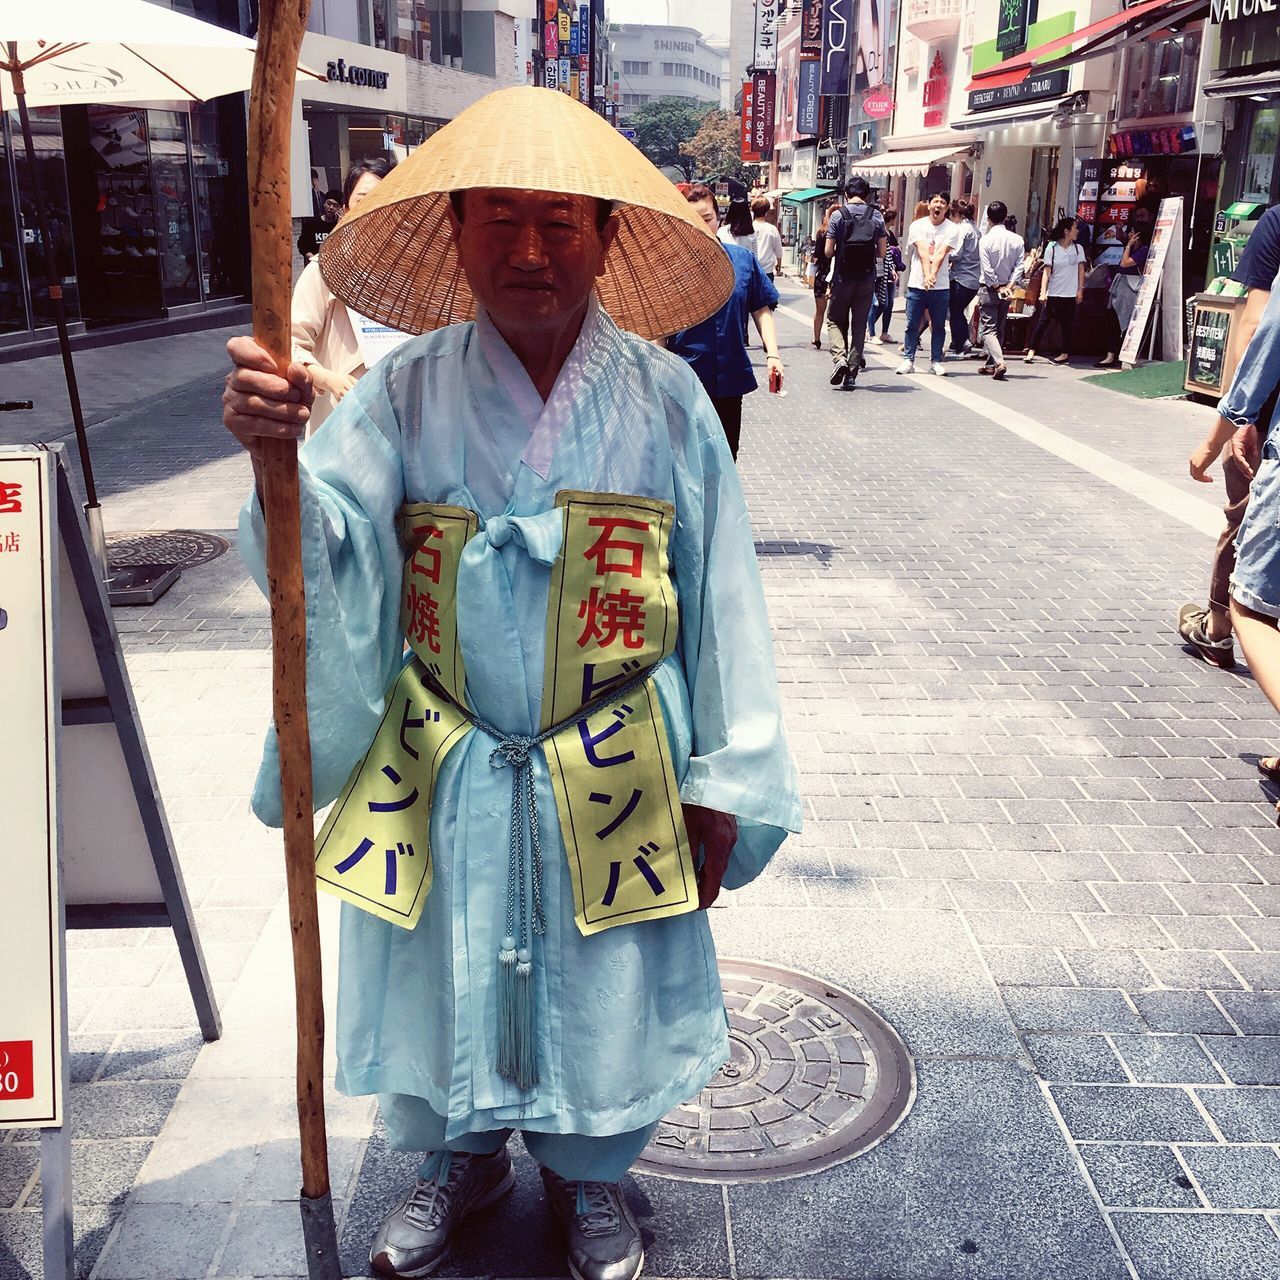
x=630 y=1022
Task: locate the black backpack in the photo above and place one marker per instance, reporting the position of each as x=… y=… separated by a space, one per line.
x=855 y=239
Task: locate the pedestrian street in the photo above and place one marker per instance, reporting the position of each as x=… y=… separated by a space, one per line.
x=1036 y=845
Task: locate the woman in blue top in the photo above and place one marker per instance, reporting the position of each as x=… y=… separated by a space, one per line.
x=715 y=349
x=1255 y=584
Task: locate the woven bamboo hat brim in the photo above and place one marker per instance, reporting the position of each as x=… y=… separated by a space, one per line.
x=393 y=257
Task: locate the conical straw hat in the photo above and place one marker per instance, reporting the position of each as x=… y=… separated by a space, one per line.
x=393 y=257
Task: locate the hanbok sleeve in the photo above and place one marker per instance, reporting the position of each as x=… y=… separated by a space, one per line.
x=308 y=311
x=352 y=488
x=740 y=762
x=1258 y=371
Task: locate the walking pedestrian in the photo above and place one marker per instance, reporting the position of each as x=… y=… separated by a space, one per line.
x=738 y=228
x=933 y=240
x=1000 y=256
x=768 y=237
x=1255 y=580
x=714 y=348
x=887 y=276
x=964 y=276
x=1064 y=263
x=324 y=339
x=821 y=266
x=1122 y=296
x=1208 y=630
x=856 y=242
x=541 y=991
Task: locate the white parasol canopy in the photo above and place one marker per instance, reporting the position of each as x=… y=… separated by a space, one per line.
x=75 y=51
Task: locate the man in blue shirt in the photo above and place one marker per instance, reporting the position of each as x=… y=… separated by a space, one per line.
x=715 y=349
x=1208 y=631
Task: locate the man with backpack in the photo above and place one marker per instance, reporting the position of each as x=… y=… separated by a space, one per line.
x=856 y=240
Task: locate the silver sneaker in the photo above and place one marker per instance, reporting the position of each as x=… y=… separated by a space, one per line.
x=604 y=1241
x=415 y=1236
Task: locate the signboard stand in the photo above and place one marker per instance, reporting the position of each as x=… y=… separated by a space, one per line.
x=1163 y=279
x=82 y=808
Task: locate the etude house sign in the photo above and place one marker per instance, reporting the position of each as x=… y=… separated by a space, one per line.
x=367 y=77
x=937 y=89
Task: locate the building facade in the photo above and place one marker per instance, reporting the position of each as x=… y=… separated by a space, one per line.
x=654 y=62
x=148 y=203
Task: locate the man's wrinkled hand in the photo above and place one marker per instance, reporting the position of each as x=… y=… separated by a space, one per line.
x=1246 y=449
x=257 y=403
x=712 y=836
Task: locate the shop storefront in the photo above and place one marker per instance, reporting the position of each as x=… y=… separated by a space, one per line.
x=146 y=208
x=1246 y=77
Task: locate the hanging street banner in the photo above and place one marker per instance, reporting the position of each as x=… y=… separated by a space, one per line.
x=30 y=949
x=811 y=29
x=766 y=48
x=747 y=149
x=837 y=39
x=763 y=103
x=807 y=97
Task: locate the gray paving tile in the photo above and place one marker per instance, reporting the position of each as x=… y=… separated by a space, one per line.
x=1138 y=1177
x=1069 y=1009
x=1108 y=1113
x=1026 y=965
x=1247 y=1059
x=1256 y=1013
x=1166 y=1059
x=1191 y=970
x=1190 y=1011
x=1082 y=1059
x=1244 y=1115
x=167 y=1242
x=1236 y=1177
x=1108 y=969
x=1168 y=1246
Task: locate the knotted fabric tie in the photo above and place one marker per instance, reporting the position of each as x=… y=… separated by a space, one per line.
x=517 y=1057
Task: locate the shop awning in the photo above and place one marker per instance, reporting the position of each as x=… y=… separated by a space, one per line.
x=897 y=163
x=809 y=193
x=1028 y=113
x=1243 y=86
x=1098 y=38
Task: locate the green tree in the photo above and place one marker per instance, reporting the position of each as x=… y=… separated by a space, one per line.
x=716 y=149
x=662 y=128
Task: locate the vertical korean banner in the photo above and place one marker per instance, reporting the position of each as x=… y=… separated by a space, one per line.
x=585 y=77
x=837 y=37
x=749 y=154
x=766 y=44
x=30 y=951
x=763 y=102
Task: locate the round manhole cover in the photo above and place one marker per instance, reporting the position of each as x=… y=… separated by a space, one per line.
x=814 y=1077
x=181 y=547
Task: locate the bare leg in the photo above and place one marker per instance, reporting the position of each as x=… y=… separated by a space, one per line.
x=819 y=315
x=1260 y=640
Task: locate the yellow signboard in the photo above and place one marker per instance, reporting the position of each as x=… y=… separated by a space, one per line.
x=611 y=613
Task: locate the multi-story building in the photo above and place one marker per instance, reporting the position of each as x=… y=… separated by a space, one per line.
x=149 y=204
x=665 y=62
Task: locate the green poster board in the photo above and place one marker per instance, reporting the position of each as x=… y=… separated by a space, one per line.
x=1224 y=258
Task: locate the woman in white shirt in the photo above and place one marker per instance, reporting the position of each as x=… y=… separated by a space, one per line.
x=738 y=228
x=1064 y=264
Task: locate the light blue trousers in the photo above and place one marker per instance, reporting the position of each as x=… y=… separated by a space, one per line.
x=577 y=1157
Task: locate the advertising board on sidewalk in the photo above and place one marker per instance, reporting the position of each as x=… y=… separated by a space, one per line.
x=31 y=1017
x=1162 y=277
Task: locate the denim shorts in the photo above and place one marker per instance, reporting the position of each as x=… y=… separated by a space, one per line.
x=1255 y=584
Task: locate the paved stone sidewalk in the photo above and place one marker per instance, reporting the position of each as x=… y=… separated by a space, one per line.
x=1036 y=843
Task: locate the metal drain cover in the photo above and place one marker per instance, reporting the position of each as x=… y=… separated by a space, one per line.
x=181 y=548
x=814 y=1078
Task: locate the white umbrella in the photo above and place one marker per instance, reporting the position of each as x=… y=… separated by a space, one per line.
x=63 y=52
x=74 y=51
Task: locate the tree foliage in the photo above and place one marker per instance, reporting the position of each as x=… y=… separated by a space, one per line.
x=716 y=149
x=662 y=128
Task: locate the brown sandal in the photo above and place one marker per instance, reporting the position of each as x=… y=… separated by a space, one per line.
x=1269 y=767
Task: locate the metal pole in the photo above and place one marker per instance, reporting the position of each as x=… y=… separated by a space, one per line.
x=92 y=509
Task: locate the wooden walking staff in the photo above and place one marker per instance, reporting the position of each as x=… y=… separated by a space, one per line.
x=280 y=29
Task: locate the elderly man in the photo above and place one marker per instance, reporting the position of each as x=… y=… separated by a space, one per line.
x=583 y=739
